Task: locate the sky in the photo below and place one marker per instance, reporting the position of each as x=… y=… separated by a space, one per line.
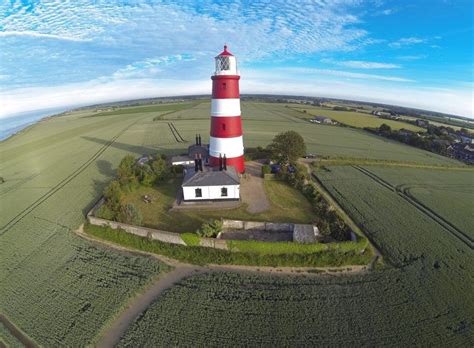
x=416 y=53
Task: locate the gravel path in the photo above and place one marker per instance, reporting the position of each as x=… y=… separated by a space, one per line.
x=252 y=191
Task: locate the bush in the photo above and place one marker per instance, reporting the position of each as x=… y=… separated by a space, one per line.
x=104 y=212
x=131 y=215
x=113 y=196
x=126 y=170
x=210 y=229
x=266 y=169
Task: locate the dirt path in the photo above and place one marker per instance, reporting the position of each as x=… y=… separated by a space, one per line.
x=252 y=191
x=20 y=336
x=112 y=334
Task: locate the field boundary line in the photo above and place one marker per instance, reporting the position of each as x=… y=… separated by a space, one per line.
x=448 y=226
x=363 y=162
x=65 y=181
x=17 y=333
x=345 y=216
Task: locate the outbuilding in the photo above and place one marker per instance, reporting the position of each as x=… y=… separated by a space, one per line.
x=211 y=184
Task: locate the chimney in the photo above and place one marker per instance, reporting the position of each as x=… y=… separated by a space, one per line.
x=197 y=140
x=225 y=162
x=200 y=140
x=199 y=162
x=196 y=165
x=220 y=162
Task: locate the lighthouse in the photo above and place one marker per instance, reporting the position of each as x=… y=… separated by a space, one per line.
x=226 y=143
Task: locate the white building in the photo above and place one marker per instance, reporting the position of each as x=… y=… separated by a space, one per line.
x=211 y=184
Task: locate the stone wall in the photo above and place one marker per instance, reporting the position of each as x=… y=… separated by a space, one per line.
x=163 y=236
x=256 y=225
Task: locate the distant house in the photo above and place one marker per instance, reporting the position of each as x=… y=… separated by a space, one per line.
x=181 y=160
x=463 y=152
x=321 y=120
x=197 y=150
x=211 y=184
x=466 y=140
x=406 y=132
x=422 y=123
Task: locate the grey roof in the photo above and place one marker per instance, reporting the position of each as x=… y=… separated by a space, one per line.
x=197 y=150
x=211 y=177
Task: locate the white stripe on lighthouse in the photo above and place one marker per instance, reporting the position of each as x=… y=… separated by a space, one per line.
x=231 y=147
x=225 y=107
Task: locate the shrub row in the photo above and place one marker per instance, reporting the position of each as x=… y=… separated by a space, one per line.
x=202 y=255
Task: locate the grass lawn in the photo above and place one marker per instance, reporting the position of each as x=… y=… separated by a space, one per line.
x=287 y=205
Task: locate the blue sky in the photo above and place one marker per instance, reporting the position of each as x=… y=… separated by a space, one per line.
x=415 y=53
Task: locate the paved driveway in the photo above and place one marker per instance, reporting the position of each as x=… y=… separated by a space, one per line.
x=251 y=189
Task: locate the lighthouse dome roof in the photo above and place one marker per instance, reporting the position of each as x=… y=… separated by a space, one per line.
x=225 y=52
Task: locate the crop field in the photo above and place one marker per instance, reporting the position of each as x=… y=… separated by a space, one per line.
x=447 y=193
x=59 y=288
x=356 y=119
x=231 y=309
x=261 y=122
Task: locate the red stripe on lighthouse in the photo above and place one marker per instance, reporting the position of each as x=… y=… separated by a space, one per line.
x=225 y=86
x=226 y=127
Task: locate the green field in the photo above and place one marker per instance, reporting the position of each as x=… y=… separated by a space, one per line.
x=56 y=287
x=355 y=119
x=287 y=205
x=226 y=309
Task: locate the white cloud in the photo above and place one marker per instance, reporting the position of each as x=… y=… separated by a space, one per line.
x=149 y=67
x=406 y=41
x=35 y=34
x=360 y=64
x=412 y=57
x=457 y=101
x=345 y=74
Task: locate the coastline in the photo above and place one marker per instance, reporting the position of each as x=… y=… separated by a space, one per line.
x=19 y=123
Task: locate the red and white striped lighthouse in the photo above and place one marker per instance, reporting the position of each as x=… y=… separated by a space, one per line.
x=226 y=124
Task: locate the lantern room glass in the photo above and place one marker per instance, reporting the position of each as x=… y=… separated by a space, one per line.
x=222 y=63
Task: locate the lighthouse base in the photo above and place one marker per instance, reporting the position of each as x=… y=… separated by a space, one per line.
x=237 y=162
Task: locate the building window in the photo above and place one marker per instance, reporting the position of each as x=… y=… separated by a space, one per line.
x=224 y=86
x=224 y=192
x=223 y=126
x=198 y=193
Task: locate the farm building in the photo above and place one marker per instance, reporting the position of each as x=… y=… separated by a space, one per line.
x=321 y=120
x=211 y=184
x=197 y=150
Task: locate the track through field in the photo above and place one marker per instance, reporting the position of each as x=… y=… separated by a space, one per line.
x=176 y=135
x=406 y=195
x=65 y=181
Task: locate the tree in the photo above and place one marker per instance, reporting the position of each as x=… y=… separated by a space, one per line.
x=113 y=196
x=160 y=169
x=131 y=215
x=126 y=170
x=146 y=174
x=385 y=128
x=287 y=147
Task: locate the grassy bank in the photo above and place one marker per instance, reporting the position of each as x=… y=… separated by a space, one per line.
x=253 y=254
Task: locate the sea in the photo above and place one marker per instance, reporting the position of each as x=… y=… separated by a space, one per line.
x=11 y=125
